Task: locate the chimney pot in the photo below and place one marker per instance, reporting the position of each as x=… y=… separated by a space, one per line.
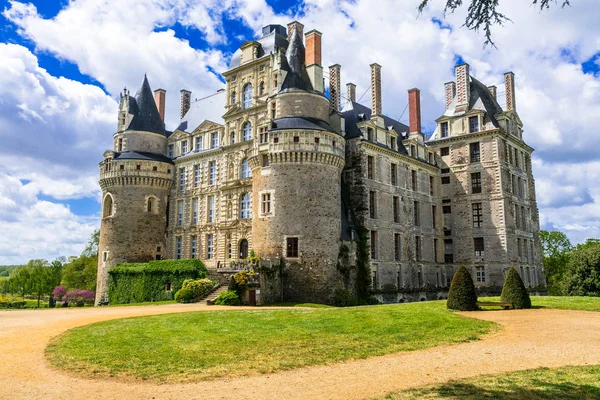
x=160 y=98
x=313 y=47
x=414 y=108
x=295 y=26
x=492 y=90
x=450 y=90
x=186 y=97
x=509 y=84
x=334 y=88
x=375 y=89
x=463 y=87
x=351 y=91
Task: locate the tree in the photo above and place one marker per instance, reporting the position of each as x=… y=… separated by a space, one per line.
x=91 y=249
x=556 y=249
x=514 y=290
x=19 y=281
x=80 y=273
x=482 y=14
x=41 y=277
x=462 y=295
x=582 y=277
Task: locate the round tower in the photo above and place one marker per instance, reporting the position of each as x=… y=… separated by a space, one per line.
x=135 y=178
x=296 y=187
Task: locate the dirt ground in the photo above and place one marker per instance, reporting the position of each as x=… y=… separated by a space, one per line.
x=527 y=339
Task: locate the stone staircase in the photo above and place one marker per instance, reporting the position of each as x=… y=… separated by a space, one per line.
x=210 y=298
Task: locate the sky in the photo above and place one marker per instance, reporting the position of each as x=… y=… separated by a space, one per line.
x=64 y=63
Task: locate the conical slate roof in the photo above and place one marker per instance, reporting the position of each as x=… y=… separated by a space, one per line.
x=297 y=77
x=146 y=118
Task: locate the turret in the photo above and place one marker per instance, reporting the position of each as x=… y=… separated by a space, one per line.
x=135 y=179
x=296 y=186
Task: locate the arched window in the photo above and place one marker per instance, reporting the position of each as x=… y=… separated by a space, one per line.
x=151 y=204
x=232 y=138
x=243 y=248
x=246 y=171
x=247 y=96
x=245 y=206
x=247 y=131
x=261 y=88
x=107 y=211
x=233 y=96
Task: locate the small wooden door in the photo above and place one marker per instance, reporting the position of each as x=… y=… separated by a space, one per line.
x=244 y=248
x=252 y=297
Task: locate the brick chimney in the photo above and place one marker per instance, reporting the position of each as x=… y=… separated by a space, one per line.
x=414 y=110
x=184 y=106
x=295 y=26
x=351 y=91
x=463 y=90
x=334 y=88
x=493 y=90
x=509 y=84
x=375 y=89
x=313 y=59
x=160 y=96
x=450 y=90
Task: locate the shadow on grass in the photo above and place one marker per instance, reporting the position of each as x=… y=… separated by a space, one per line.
x=540 y=390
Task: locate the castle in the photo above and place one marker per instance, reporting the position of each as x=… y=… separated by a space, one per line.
x=271 y=164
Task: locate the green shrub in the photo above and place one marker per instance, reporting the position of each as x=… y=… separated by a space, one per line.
x=462 y=295
x=514 y=290
x=228 y=298
x=140 y=282
x=199 y=287
x=184 y=295
x=343 y=298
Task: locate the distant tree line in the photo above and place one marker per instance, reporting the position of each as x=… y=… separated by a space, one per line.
x=39 y=278
x=571 y=271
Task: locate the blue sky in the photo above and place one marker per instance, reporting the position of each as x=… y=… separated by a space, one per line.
x=63 y=65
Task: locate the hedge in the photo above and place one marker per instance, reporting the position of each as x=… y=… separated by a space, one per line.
x=514 y=290
x=140 y=282
x=462 y=295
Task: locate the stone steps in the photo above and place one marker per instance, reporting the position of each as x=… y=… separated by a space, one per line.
x=210 y=298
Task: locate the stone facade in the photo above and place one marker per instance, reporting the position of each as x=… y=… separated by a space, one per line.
x=272 y=165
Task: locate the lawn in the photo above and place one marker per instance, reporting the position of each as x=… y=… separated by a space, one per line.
x=561 y=302
x=207 y=345
x=568 y=383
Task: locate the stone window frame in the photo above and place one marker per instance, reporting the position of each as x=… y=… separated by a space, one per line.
x=180 y=212
x=155 y=205
x=178 y=247
x=247 y=96
x=298 y=247
x=195 y=213
x=193 y=246
x=245 y=170
x=246 y=131
x=245 y=204
x=480 y=273
x=112 y=206
x=210 y=246
x=374 y=244
x=261 y=213
x=105 y=254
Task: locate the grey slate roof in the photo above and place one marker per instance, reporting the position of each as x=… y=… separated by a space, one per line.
x=210 y=108
x=354 y=112
x=300 y=123
x=141 y=155
x=480 y=99
x=145 y=113
x=297 y=77
x=273 y=36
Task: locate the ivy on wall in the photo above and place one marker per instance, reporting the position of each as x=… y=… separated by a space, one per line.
x=153 y=281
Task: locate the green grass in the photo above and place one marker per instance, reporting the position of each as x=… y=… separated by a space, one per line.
x=206 y=345
x=561 y=302
x=568 y=383
x=305 y=305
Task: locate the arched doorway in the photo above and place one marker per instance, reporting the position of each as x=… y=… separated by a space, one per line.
x=243 y=248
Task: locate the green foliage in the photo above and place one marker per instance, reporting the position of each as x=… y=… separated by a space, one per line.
x=11 y=302
x=363 y=268
x=343 y=298
x=556 y=252
x=462 y=295
x=227 y=298
x=80 y=273
x=91 y=249
x=514 y=290
x=140 y=282
x=583 y=270
x=184 y=295
x=6 y=269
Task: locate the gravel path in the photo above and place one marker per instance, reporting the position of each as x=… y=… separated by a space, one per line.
x=529 y=339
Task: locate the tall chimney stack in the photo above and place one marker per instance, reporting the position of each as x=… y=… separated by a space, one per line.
x=351 y=91
x=313 y=59
x=414 y=110
x=295 y=26
x=450 y=90
x=493 y=90
x=160 y=98
x=334 y=88
x=509 y=84
x=463 y=87
x=184 y=106
x=375 y=89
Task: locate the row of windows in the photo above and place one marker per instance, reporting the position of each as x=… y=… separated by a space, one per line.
x=476 y=185
x=108 y=207
x=396 y=210
x=245 y=207
x=474 y=152
x=518 y=158
x=522 y=217
x=473 y=126
x=518 y=186
x=247 y=94
x=394 y=179
x=390 y=140
x=245 y=172
x=292 y=250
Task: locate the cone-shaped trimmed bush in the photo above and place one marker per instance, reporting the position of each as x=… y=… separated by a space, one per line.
x=514 y=290
x=462 y=295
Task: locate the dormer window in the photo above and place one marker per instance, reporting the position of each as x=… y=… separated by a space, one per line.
x=199 y=143
x=444 y=129
x=370 y=134
x=184 y=145
x=171 y=151
x=473 y=124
